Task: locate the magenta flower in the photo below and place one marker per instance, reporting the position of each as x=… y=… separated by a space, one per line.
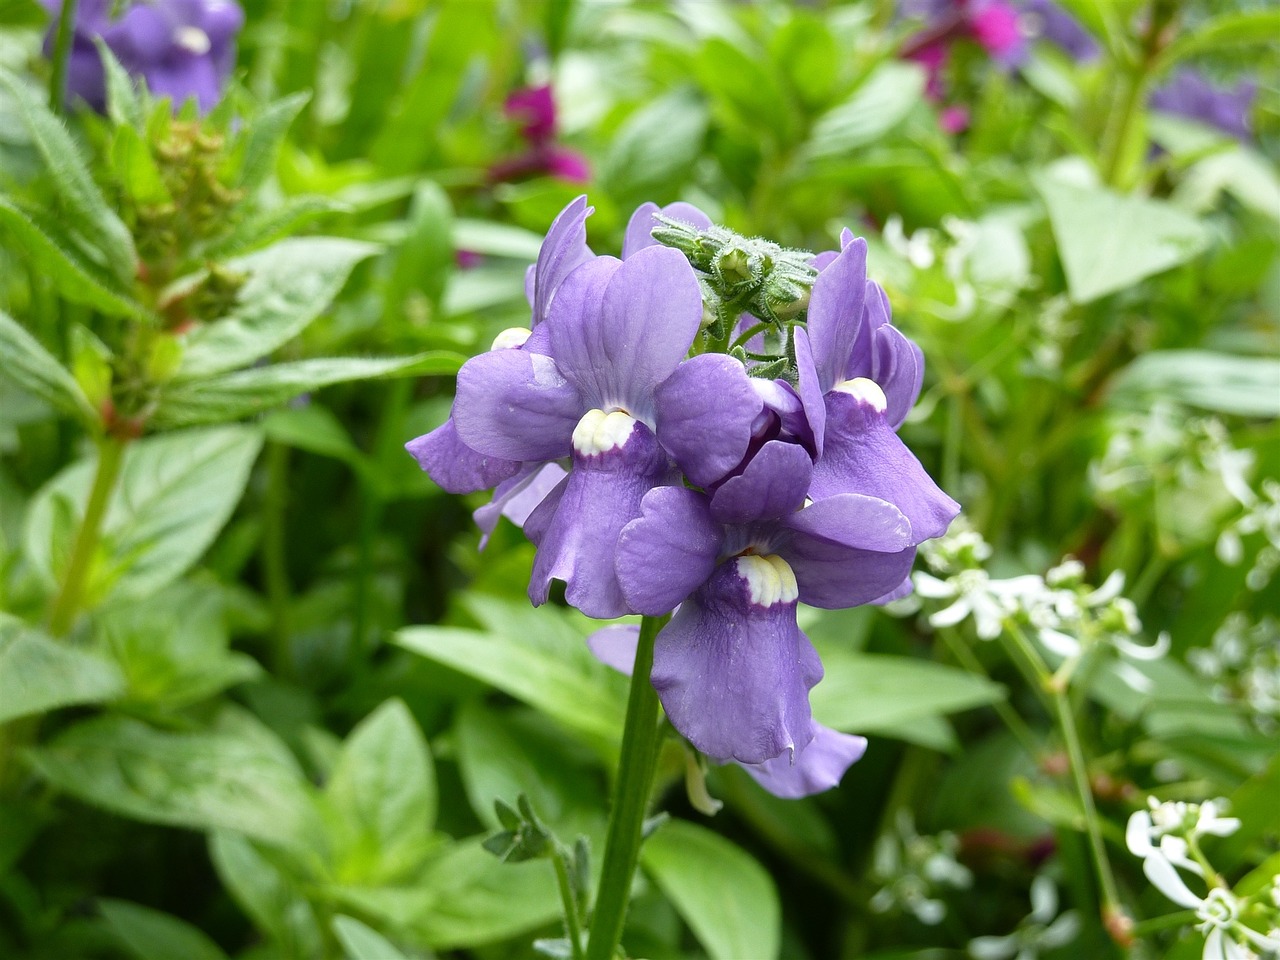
x=534 y=109
x=181 y=48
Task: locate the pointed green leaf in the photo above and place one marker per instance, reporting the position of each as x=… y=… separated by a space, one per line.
x=362 y=942
x=289 y=284
x=174 y=494
x=382 y=797
x=34 y=369
x=65 y=162
x=267 y=894
x=51 y=252
x=726 y=897
x=1246 y=386
x=153 y=935
x=880 y=103
x=1223 y=33
x=1108 y=241
x=124 y=98
x=202 y=780
x=38 y=674
x=258 y=389
x=262 y=138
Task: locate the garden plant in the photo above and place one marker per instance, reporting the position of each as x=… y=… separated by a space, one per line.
x=747 y=480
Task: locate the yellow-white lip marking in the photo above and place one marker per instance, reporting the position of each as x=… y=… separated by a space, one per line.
x=769 y=578
x=598 y=432
x=511 y=338
x=192 y=39
x=867 y=391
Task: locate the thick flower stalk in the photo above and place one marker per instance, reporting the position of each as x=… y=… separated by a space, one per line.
x=183 y=49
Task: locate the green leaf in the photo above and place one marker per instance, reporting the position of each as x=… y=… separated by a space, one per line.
x=34 y=369
x=313 y=428
x=289 y=284
x=55 y=256
x=424 y=257
x=1246 y=386
x=465 y=897
x=233 y=780
x=136 y=168
x=174 y=648
x=1223 y=33
x=268 y=224
x=655 y=148
x=38 y=674
x=124 y=96
x=71 y=177
x=496 y=239
x=1108 y=241
x=726 y=897
x=262 y=137
x=267 y=894
x=246 y=392
x=880 y=103
x=174 y=494
x=152 y=935
x=364 y=943
x=536 y=656
x=382 y=798
x=868 y=692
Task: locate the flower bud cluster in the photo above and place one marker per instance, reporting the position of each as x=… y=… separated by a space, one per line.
x=916 y=871
x=657 y=471
x=1243 y=662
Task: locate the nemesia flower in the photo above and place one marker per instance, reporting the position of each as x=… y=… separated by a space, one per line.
x=1044 y=19
x=816 y=767
x=534 y=109
x=992 y=24
x=1188 y=93
x=181 y=48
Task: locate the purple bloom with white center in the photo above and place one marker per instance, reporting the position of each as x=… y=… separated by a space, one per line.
x=816 y=767
x=181 y=48
x=732 y=668
x=613 y=332
x=456 y=467
x=1189 y=94
x=1046 y=20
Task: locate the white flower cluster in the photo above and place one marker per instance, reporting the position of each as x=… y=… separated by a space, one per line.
x=1243 y=662
x=915 y=870
x=1065 y=614
x=1166 y=836
x=1042 y=929
x=1261 y=515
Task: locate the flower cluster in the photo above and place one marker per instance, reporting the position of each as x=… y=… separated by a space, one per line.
x=916 y=871
x=707 y=427
x=1065 y=614
x=1167 y=838
x=1243 y=661
x=1044 y=928
x=533 y=109
x=183 y=49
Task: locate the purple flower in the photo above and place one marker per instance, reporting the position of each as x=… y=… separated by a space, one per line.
x=1189 y=94
x=1044 y=19
x=816 y=767
x=583 y=388
x=732 y=668
x=458 y=468
x=181 y=48
x=992 y=24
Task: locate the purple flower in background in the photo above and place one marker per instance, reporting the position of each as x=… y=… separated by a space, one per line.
x=181 y=48
x=1046 y=20
x=1189 y=94
x=534 y=109
x=816 y=767
x=992 y=24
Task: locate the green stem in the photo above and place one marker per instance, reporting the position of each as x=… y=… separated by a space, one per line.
x=1016 y=725
x=65 y=607
x=62 y=54
x=641 y=738
x=572 y=922
x=1147 y=927
x=1060 y=700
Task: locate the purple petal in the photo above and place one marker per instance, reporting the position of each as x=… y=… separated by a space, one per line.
x=620 y=347
x=898 y=367
x=564 y=249
x=706 y=412
x=734 y=676
x=516 y=405
x=810 y=391
x=862 y=454
x=816 y=768
x=456 y=467
x=639 y=228
x=835 y=312
x=668 y=551
x=518 y=497
x=615 y=646
x=854 y=520
x=578 y=525
x=903 y=589
x=773 y=485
